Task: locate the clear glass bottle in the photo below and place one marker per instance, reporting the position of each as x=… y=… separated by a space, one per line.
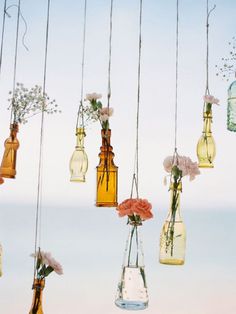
x=79 y=159
x=132 y=288
x=107 y=174
x=8 y=165
x=231 y=109
x=173 y=235
x=36 y=307
x=206 y=148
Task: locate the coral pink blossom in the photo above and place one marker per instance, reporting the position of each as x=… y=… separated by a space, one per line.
x=125 y=208
x=143 y=208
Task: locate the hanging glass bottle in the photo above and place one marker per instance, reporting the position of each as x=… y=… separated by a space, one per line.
x=231 y=109
x=132 y=288
x=8 y=165
x=38 y=287
x=79 y=159
x=173 y=235
x=106 y=174
x=206 y=149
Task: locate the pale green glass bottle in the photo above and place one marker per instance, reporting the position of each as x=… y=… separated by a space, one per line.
x=231 y=109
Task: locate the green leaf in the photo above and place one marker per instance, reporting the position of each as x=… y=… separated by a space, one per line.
x=48 y=270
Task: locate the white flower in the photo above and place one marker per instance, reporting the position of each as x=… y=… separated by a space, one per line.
x=93 y=96
x=209 y=99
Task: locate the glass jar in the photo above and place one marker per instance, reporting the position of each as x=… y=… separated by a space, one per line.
x=38 y=286
x=79 y=159
x=231 y=109
x=8 y=165
x=132 y=288
x=173 y=235
x=107 y=174
x=206 y=149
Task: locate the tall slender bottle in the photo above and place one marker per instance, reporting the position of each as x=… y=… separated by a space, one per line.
x=206 y=149
x=173 y=235
x=106 y=174
x=79 y=159
x=231 y=109
x=36 y=307
x=8 y=165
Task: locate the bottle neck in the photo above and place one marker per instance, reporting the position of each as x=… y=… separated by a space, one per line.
x=38 y=287
x=207 y=118
x=80 y=133
x=14 y=128
x=106 y=137
x=174 y=210
x=134 y=251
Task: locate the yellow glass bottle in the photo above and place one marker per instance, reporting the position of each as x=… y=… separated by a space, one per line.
x=79 y=159
x=173 y=235
x=106 y=174
x=206 y=148
x=36 y=307
x=8 y=165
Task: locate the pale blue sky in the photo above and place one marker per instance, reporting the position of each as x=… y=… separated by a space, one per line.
x=79 y=234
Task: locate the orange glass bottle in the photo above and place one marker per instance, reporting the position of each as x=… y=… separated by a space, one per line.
x=107 y=173
x=8 y=165
x=36 y=307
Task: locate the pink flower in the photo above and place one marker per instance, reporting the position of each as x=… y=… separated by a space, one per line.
x=104 y=117
x=106 y=111
x=93 y=96
x=168 y=163
x=142 y=208
x=209 y=99
x=125 y=208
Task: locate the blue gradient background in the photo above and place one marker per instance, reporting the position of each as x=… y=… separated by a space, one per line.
x=90 y=241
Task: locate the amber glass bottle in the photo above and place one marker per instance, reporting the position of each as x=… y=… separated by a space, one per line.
x=206 y=149
x=79 y=159
x=36 y=307
x=8 y=165
x=173 y=235
x=106 y=174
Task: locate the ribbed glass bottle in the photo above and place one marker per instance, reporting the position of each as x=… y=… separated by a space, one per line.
x=79 y=159
x=132 y=288
x=231 y=109
x=36 y=307
x=107 y=174
x=173 y=235
x=8 y=165
x=206 y=149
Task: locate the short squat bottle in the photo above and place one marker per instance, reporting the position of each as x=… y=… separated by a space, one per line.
x=8 y=165
x=79 y=159
x=231 y=109
x=206 y=149
x=107 y=173
x=38 y=286
x=132 y=288
x=173 y=235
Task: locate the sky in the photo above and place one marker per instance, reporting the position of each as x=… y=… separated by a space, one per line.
x=72 y=227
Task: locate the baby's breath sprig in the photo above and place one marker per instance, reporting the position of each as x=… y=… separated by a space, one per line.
x=26 y=103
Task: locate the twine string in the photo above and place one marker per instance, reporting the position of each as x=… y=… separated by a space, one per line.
x=2 y=35
x=109 y=58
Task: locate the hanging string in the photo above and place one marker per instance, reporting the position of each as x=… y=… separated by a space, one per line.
x=135 y=180
x=176 y=75
x=40 y=167
x=2 y=36
x=81 y=107
x=109 y=62
x=207 y=92
x=16 y=54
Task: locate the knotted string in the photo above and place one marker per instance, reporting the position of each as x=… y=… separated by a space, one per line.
x=109 y=58
x=2 y=35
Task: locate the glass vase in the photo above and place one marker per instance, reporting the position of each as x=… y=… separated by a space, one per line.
x=173 y=235
x=231 y=109
x=206 y=149
x=38 y=286
x=8 y=165
x=132 y=288
x=107 y=174
x=79 y=159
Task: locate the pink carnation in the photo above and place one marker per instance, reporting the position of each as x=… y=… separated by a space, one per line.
x=125 y=208
x=209 y=99
x=93 y=96
x=143 y=208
